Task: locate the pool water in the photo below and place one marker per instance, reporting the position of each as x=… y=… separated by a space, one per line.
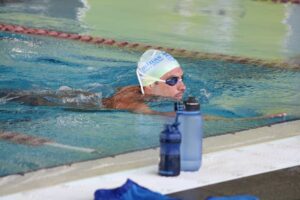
x=39 y=64
x=42 y=64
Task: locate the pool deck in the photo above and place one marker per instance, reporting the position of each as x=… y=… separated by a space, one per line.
x=244 y=156
x=283 y=184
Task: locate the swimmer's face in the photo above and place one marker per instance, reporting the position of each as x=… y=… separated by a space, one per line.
x=172 y=88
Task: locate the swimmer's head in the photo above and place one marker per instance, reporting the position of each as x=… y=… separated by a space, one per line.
x=160 y=74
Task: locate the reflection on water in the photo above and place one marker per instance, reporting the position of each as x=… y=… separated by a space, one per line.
x=247 y=28
x=69 y=9
x=49 y=14
x=292 y=43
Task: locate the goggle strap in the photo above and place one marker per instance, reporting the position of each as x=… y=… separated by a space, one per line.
x=140 y=81
x=145 y=76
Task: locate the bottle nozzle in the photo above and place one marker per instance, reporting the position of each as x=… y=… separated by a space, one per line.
x=178 y=106
x=175 y=124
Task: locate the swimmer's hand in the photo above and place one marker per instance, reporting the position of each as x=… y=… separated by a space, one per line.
x=277 y=115
x=271 y=116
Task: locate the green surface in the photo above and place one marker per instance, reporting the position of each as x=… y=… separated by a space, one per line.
x=246 y=28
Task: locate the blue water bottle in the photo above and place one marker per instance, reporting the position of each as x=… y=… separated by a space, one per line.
x=170 y=139
x=190 y=126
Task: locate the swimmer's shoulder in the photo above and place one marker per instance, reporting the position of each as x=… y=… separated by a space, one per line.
x=125 y=98
x=129 y=92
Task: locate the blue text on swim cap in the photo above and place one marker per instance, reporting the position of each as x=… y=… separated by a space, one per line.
x=168 y=56
x=151 y=63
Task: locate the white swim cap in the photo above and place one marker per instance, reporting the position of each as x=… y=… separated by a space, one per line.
x=152 y=65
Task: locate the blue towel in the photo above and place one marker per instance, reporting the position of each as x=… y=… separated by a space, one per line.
x=129 y=191
x=236 y=197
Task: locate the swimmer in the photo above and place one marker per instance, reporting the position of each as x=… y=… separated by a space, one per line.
x=159 y=75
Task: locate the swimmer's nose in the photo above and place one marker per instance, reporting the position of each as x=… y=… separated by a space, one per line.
x=181 y=86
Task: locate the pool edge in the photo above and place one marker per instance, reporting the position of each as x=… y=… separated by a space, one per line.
x=77 y=171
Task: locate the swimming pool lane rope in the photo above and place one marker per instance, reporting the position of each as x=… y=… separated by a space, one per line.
x=142 y=47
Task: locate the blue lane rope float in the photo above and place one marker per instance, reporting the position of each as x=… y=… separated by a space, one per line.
x=142 y=47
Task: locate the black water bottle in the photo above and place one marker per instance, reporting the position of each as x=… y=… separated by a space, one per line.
x=170 y=139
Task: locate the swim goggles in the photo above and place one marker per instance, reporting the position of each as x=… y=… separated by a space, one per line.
x=172 y=80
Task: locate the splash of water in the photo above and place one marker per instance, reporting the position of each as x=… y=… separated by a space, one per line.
x=204 y=95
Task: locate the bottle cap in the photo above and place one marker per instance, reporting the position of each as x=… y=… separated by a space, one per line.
x=171 y=134
x=191 y=104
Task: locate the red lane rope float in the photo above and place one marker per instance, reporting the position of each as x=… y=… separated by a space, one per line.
x=142 y=47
